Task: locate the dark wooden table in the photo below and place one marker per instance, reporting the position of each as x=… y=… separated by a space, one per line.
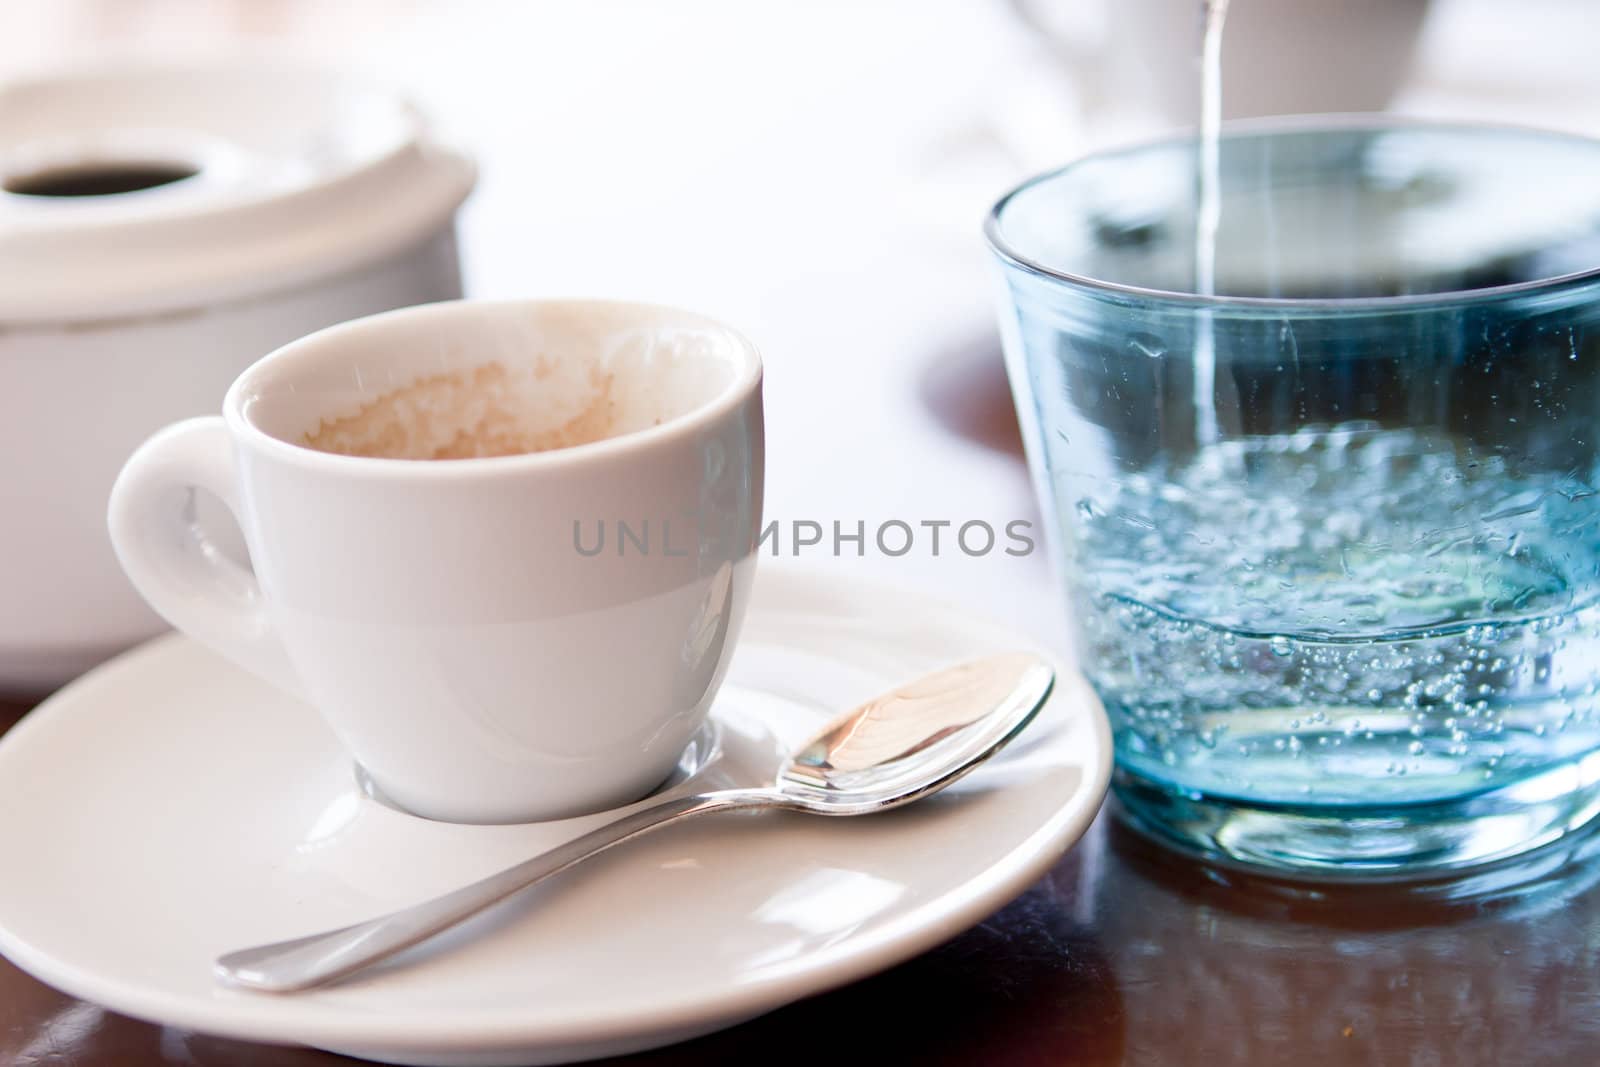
x=1121 y=954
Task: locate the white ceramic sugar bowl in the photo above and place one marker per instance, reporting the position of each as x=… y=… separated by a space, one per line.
x=161 y=228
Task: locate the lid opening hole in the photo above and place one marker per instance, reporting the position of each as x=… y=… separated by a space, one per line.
x=97 y=179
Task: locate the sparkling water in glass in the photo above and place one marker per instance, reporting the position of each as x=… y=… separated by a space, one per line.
x=1331 y=537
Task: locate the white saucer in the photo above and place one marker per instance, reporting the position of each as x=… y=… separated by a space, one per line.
x=173 y=807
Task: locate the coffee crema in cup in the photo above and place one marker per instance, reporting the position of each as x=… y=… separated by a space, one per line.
x=474 y=413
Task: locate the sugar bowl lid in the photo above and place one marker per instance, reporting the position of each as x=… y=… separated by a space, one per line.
x=143 y=189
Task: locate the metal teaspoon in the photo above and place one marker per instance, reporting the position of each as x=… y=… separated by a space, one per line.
x=896 y=748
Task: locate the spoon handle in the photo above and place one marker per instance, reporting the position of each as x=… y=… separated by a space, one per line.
x=290 y=966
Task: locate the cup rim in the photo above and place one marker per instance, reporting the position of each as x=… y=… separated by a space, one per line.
x=1282 y=125
x=746 y=381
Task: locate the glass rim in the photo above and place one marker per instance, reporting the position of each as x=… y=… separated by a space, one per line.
x=1284 y=125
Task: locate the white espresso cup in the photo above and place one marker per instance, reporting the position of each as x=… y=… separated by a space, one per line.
x=501 y=638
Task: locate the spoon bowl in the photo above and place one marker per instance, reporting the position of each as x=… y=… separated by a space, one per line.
x=917 y=739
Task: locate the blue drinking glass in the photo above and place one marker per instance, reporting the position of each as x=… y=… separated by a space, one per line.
x=1330 y=537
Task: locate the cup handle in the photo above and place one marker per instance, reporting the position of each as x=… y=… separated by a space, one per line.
x=184 y=575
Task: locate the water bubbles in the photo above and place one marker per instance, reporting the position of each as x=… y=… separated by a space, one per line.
x=1256 y=592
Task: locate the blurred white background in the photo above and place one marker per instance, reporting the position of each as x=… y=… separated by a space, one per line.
x=814 y=171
